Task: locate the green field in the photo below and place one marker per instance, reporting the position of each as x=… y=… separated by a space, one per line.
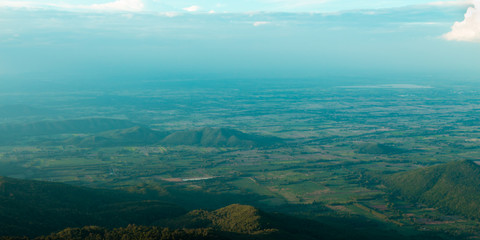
x=331 y=136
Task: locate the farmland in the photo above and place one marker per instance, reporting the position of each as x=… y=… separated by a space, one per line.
x=331 y=136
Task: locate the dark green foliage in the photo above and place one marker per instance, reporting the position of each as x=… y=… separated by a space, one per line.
x=131 y=232
x=218 y=137
x=13 y=238
x=34 y=207
x=246 y=222
x=377 y=148
x=453 y=187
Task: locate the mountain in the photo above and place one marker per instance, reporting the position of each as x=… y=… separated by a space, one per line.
x=231 y=222
x=452 y=187
x=377 y=148
x=9 y=132
x=233 y=218
x=140 y=135
x=238 y=221
x=218 y=137
x=35 y=208
x=131 y=232
x=137 y=135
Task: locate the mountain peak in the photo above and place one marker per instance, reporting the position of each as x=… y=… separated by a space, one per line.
x=218 y=137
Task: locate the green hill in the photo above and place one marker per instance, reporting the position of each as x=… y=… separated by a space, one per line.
x=453 y=187
x=34 y=208
x=9 y=132
x=247 y=222
x=218 y=137
x=131 y=232
x=377 y=148
x=137 y=135
x=233 y=218
x=141 y=135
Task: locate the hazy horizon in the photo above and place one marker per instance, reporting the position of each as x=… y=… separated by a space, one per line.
x=47 y=44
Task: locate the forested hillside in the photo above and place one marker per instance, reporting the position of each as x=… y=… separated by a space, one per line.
x=453 y=187
x=33 y=208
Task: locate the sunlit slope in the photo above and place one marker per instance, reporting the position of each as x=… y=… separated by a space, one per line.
x=453 y=187
x=233 y=218
x=35 y=207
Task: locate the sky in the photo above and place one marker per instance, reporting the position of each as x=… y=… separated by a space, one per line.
x=225 y=6
x=101 y=41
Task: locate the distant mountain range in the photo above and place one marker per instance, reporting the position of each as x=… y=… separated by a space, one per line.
x=206 y=137
x=218 y=137
x=453 y=187
x=115 y=132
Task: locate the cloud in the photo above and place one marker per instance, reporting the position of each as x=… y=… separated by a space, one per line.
x=260 y=23
x=451 y=3
x=469 y=29
x=295 y=4
x=193 y=8
x=169 y=14
x=120 y=5
x=18 y=4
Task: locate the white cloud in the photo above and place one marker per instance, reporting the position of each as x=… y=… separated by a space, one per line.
x=422 y=23
x=193 y=8
x=451 y=3
x=18 y=4
x=128 y=15
x=120 y=5
x=294 y=4
x=169 y=14
x=260 y=23
x=469 y=29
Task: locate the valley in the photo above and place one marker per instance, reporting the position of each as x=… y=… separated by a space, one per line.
x=320 y=152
